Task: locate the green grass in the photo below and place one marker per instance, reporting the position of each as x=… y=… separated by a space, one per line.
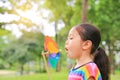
x=54 y=75
x=116 y=76
x=38 y=76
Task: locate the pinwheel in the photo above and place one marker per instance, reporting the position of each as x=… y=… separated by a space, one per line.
x=52 y=48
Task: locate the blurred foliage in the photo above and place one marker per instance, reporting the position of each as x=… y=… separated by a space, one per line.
x=102 y=13
x=24 y=49
x=4 y=32
x=105 y=16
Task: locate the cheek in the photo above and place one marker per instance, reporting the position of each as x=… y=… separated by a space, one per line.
x=74 y=49
x=76 y=46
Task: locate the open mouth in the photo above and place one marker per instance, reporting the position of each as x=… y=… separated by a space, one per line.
x=66 y=49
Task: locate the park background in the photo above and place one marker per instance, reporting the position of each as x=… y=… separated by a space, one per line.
x=24 y=24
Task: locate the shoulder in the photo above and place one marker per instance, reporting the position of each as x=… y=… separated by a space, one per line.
x=92 y=71
x=88 y=71
x=91 y=67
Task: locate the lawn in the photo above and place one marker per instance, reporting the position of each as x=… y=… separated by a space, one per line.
x=43 y=76
x=38 y=76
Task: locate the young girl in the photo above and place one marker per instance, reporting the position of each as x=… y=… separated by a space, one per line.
x=91 y=61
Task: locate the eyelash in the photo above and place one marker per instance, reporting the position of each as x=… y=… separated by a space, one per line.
x=70 y=38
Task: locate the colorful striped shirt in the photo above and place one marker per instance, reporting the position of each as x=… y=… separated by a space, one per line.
x=84 y=72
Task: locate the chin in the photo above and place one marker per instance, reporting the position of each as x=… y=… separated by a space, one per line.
x=71 y=57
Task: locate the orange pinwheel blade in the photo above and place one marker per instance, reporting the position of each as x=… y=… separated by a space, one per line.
x=50 y=45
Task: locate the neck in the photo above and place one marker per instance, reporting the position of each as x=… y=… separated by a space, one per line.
x=85 y=58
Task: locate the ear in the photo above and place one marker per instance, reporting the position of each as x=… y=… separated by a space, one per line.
x=87 y=44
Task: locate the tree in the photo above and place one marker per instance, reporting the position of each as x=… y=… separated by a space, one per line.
x=34 y=40
x=104 y=16
x=3 y=31
x=67 y=11
x=57 y=11
x=100 y=13
x=84 y=10
x=27 y=12
x=23 y=50
x=17 y=54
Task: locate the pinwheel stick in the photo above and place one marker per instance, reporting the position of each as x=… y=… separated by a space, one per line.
x=46 y=65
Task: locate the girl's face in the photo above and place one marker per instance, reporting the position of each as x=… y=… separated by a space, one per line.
x=73 y=44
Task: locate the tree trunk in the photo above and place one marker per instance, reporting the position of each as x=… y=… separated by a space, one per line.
x=56 y=35
x=11 y=64
x=84 y=11
x=21 y=69
x=42 y=66
x=111 y=56
x=39 y=64
x=58 y=68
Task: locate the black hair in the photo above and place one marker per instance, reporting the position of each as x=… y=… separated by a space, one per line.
x=92 y=33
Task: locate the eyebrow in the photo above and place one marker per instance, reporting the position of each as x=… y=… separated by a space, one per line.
x=70 y=35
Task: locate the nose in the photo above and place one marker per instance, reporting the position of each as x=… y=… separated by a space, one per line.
x=66 y=42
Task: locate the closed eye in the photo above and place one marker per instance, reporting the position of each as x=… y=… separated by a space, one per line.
x=71 y=38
